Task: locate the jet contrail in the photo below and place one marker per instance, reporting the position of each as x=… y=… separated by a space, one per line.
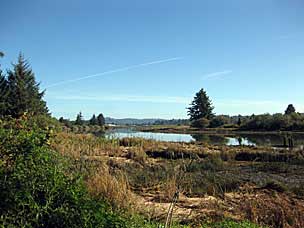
x=115 y=71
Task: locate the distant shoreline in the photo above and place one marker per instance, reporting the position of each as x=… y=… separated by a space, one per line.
x=210 y=131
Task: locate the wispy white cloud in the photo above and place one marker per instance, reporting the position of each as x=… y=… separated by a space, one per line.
x=126 y=98
x=217 y=74
x=115 y=71
x=289 y=36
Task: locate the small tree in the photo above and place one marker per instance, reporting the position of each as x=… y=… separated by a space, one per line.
x=290 y=109
x=93 y=120
x=100 y=120
x=201 y=107
x=79 y=119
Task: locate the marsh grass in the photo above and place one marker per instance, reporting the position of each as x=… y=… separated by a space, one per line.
x=114 y=189
x=119 y=169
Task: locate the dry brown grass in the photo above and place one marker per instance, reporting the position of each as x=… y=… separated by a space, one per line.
x=137 y=154
x=112 y=188
x=169 y=189
x=78 y=145
x=273 y=209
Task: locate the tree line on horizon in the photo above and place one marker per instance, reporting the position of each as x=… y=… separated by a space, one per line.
x=201 y=116
x=93 y=121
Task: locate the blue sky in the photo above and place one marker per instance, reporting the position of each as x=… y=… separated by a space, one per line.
x=140 y=58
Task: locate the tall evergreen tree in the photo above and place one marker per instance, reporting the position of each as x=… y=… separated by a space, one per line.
x=93 y=120
x=290 y=109
x=100 y=120
x=79 y=119
x=201 y=106
x=3 y=94
x=3 y=91
x=24 y=95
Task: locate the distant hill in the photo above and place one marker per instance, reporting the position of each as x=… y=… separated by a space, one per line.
x=130 y=121
x=133 y=121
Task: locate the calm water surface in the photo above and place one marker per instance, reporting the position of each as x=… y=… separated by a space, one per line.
x=244 y=139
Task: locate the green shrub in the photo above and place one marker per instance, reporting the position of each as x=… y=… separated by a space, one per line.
x=218 y=121
x=37 y=189
x=200 y=123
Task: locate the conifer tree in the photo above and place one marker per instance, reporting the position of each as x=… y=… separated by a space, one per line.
x=100 y=120
x=24 y=95
x=201 y=107
x=3 y=92
x=79 y=119
x=93 y=120
x=290 y=109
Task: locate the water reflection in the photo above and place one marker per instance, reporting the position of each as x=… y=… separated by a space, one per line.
x=234 y=140
x=211 y=139
x=168 y=137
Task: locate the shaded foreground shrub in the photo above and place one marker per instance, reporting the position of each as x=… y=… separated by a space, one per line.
x=37 y=188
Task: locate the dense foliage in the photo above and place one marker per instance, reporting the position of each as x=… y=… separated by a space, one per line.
x=267 y=122
x=37 y=187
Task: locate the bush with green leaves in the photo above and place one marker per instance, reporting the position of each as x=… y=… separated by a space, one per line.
x=200 y=123
x=38 y=189
x=266 y=122
x=219 y=121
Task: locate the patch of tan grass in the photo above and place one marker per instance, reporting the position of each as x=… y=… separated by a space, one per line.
x=112 y=188
x=137 y=154
x=78 y=145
